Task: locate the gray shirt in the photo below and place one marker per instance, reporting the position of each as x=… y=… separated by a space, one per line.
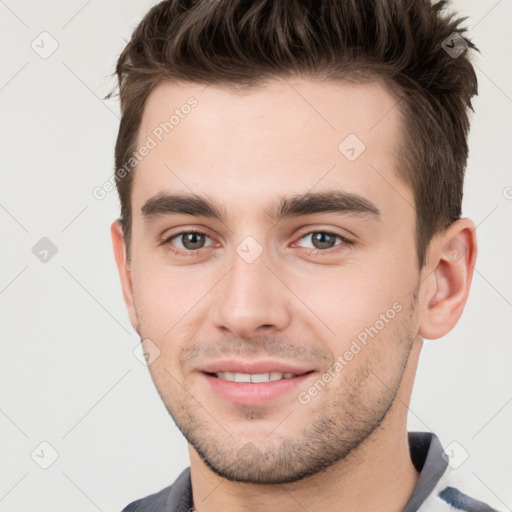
x=436 y=490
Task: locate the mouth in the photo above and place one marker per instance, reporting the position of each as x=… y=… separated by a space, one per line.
x=255 y=377
x=256 y=389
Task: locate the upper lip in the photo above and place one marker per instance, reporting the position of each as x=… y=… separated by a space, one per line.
x=253 y=367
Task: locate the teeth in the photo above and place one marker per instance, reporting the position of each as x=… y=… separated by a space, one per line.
x=254 y=377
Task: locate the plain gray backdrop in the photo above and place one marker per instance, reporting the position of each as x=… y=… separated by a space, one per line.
x=82 y=427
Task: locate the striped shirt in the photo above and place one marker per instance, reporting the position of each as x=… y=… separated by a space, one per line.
x=440 y=487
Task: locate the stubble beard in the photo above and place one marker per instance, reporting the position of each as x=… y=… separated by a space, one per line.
x=339 y=422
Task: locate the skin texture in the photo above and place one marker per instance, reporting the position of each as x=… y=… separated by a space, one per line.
x=347 y=447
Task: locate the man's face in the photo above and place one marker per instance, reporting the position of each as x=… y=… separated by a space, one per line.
x=295 y=291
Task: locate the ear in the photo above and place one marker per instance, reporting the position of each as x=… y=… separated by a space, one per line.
x=124 y=270
x=450 y=263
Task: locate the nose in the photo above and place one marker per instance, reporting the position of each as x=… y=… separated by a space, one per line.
x=251 y=299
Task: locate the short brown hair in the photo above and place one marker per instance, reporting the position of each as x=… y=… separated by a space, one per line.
x=403 y=43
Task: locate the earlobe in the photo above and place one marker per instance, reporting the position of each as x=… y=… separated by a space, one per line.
x=452 y=258
x=124 y=271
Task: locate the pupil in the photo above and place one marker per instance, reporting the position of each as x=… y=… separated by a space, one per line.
x=320 y=238
x=192 y=239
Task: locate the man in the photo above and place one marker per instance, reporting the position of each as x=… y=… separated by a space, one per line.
x=290 y=176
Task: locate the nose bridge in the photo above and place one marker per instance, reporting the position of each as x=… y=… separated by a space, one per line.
x=250 y=295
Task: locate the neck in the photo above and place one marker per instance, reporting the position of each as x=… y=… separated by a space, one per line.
x=376 y=476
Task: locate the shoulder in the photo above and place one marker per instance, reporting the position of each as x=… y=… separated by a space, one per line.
x=177 y=497
x=458 y=491
x=154 y=502
x=443 y=485
x=461 y=501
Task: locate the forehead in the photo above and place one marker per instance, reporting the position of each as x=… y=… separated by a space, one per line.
x=286 y=136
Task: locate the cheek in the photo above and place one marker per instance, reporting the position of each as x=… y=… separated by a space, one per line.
x=163 y=296
x=173 y=302
x=349 y=299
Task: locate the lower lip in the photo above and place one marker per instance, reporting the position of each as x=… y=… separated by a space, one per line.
x=254 y=393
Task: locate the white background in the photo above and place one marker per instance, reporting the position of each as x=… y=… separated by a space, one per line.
x=68 y=374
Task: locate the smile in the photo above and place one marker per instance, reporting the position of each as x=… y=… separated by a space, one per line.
x=254 y=377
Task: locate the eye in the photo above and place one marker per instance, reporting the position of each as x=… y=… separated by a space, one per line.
x=325 y=241
x=187 y=242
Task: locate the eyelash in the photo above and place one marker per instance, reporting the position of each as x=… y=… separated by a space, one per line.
x=315 y=252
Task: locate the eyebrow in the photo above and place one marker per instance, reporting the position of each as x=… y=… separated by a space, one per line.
x=292 y=206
